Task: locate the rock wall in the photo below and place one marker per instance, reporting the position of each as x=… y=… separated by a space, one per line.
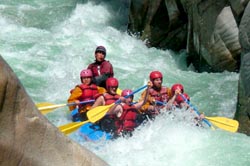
x=243 y=110
x=209 y=31
x=27 y=137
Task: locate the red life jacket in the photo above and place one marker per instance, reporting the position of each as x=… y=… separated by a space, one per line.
x=101 y=69
x=127 y=121
x=110 y=99
x=161 y=95
x=88 y=92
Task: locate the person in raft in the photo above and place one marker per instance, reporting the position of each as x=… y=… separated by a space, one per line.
x=155 y=94
x=107 y=123
x=101 y=68
x=126 y=114
x=181 y=100
x=84 y=92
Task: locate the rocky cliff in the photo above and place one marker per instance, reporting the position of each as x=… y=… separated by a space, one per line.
x=27 y=137
x=213 y=32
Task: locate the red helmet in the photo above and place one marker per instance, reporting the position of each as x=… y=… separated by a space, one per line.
x=86 y=73
x=126 y=92
x=179 y=99
x=176 y=86
x=111 y=82
x=155 y=74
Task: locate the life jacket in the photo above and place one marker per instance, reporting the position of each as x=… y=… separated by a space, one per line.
x=98 y=69
x=161 y=95
x=88 y=93
x=110 y=99
x=127 y=121
x=107 y=123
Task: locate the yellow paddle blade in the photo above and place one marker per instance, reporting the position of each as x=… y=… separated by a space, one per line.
x=103 y=90
x=48 y=107
x=119 y=91
x=98 y=113
x=44 y=104
x=71 y=127
x=224 y=123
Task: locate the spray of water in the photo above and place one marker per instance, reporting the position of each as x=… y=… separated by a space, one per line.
x=48 y=53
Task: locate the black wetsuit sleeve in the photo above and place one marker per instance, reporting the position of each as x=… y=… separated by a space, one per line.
x=100 y=80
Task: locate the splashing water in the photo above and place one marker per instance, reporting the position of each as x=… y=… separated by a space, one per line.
x=47 y=44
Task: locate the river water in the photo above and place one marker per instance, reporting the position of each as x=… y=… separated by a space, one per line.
x=47 y=43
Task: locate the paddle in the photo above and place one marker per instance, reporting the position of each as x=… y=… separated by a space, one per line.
x=221 y=122
x=48 y=107
x=97 y=113
x=119 y=91
x=71 y=127
x=93 y=115
x=224 y=123
x=101 y=90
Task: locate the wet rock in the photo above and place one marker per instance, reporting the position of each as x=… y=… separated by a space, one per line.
x=27 y=137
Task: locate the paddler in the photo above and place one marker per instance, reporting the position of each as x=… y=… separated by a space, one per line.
x=126 y=114
x=156 y=92
x=107 y=122
x=179 y=97
x=85 y=91
x=101 y=68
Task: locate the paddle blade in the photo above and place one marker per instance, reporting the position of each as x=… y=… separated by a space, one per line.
x=98 y=113
x=103 y=90
x=119 y=91
x=71 y=127
x=224 y=123
x=48 y=107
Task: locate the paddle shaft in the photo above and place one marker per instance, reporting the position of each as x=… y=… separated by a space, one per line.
x=62 y=105
x=99 y=112
x=197 y=112
x=127 y=96
x=93 y=115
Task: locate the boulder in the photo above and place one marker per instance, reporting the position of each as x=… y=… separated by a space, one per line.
x=243 y=111
x=27 y=137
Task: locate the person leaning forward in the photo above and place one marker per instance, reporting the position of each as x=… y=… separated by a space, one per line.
x=107 y=122
x=126 y=114
x=101 y=69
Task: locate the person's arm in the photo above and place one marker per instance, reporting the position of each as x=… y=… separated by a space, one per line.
x=107 y=68
x=99 y=102
x=116 y=109
x=172 y=99
x=73 y=98
x=102 y=78
x=145 y=100
x=106 y=71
